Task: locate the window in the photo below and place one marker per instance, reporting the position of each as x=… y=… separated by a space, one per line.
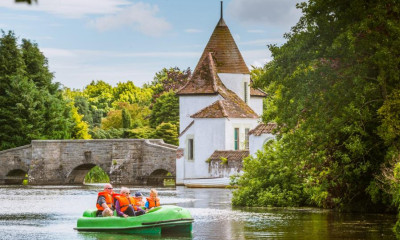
x=246 y=133
x=245 y=92
x=236 y=138
x=190 y=149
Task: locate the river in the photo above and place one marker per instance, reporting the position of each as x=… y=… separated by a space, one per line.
x=50 y=212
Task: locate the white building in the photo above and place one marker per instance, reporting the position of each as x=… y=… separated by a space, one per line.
x=217 y=109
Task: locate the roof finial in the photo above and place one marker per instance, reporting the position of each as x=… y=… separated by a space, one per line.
x=221 y=10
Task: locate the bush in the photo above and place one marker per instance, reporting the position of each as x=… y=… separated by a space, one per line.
x=269 y=179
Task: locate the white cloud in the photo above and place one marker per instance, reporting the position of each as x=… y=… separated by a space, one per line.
x=58 y=52
x=193 y=30
x=70 y=8
x=76 y=68
x=257 y=57
x=139 y=16
x=265 y=12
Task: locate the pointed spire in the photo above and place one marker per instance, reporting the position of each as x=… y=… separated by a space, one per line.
x=221 y=21
x=222 y=12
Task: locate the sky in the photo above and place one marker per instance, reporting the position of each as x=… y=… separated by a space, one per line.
x=120 y=40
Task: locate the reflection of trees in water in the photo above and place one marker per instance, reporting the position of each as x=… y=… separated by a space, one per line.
x=119 y=236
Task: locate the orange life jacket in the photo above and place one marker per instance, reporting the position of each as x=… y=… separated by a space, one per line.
x=139 y=202
x=152 y=202
x=124 y=202
x=108 y=198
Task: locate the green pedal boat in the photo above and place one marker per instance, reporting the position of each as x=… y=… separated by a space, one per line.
x=166 y=218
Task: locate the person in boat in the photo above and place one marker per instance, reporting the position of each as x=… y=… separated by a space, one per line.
x=124 y=204
x=107 y=212
x=139 y=200
x=153 y=200
x=104 y=199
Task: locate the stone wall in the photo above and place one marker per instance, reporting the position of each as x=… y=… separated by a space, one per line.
x=217 y=169
x=126 y=161
x=14 y=159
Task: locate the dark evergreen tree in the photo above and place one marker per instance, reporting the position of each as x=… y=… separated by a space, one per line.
x=167 y=132
x=165 y=109
x=31 y=106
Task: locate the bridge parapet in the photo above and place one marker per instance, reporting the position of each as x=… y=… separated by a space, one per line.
x=126 y=161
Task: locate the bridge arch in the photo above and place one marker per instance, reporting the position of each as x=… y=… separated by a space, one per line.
x=15 y=176
x=158 y=176
x=77 y=175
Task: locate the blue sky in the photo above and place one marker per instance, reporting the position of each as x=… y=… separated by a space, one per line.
x=120 y=40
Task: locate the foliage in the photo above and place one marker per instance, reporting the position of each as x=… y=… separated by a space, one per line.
x=326 y=85
x=145 y=132
x=270 y=178
x=165 y=109
x=31 y=105
x=112 y=133
x=129 y=93
x=167 y=132
x=97 y=175
x=224 y=160
x=167 y=80
x=80 y=128
x=138 y=115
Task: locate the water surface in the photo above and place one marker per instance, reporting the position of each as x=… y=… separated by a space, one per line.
x=50 y=212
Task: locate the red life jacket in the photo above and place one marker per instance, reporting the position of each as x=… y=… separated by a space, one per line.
x=152 y=202
x=124 y=202
x=108 y=198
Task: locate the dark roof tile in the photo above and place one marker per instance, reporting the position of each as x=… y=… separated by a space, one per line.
x=231 y=155
x=263 y=128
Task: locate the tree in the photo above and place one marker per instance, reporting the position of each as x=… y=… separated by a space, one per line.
x=129 y=93
x=165 y=109
x=167 y=80
x=167 y=132
x=31 y=105
x=80 y=128
x=36 y=66
x=325 y=86
x=126 y=118
x=100 y=97
x=137 y=113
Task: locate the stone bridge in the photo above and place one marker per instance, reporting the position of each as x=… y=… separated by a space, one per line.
x=53 y=162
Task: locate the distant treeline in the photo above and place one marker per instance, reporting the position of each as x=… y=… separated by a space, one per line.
x=32 y=106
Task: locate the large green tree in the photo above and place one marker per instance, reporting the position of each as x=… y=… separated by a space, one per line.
x=326 y=84
x=32 y=107
x=165 y=109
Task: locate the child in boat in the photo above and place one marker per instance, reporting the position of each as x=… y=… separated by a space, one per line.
x=139 y=200
x=107 y=213
x=153 y=200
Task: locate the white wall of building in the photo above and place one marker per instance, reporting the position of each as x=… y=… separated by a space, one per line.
x=242 y=124
x=191 y=104
x=179 y=170
x=256 y=103
x=208 y=135
x=257 y=142
x=235 y=82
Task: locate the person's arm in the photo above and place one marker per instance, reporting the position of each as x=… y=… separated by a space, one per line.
x=118 y=209
x=102 y=202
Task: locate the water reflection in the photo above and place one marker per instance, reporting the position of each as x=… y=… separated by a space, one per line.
x=50 y=212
